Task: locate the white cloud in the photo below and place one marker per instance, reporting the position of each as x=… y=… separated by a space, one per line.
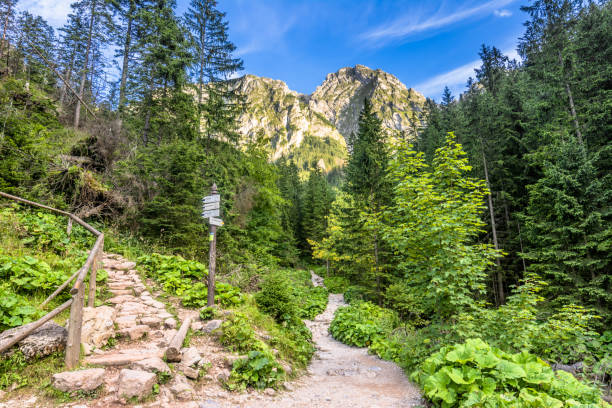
x=263 y=26
x=455 y=79
x=409 y=24
x=54 y=11
x=502 y=13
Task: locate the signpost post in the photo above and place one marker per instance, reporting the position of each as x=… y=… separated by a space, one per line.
x=211 y=208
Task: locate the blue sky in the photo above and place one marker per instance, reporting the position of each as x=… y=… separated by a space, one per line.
x=426 y=44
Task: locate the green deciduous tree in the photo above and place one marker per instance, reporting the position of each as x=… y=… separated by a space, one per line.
x=432 y=227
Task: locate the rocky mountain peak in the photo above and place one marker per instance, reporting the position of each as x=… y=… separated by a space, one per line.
x=327 y=117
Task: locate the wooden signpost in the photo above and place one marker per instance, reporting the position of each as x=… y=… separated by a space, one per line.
x=211 y=208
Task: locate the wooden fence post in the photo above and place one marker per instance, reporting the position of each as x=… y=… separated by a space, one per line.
x=91 y=297
x=73 y=345
x=69 y=227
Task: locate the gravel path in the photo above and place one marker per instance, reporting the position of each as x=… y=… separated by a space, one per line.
x=343 y=377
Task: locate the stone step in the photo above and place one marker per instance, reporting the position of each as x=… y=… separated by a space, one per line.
x=121 y=359
x=121 y=292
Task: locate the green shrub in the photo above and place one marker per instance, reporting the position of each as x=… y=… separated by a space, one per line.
x=357 y=294
x=174 y=273
x=28 y=274
x=15 y=310
x=310 y=302
x=238 y=335
x=259 y=370
x=226 y=295
x=474 y=374
x=361 y=323
x=336 y=284
x=207 y=313
x=562 y=337
x=276 y=298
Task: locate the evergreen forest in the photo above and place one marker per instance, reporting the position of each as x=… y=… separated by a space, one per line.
x=475 y=252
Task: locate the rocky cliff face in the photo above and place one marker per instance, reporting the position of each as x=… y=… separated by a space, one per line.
x=331 y=113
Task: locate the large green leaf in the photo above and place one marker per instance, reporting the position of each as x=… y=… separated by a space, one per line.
x=509 y=370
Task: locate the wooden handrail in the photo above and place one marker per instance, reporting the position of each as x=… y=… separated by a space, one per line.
x=76 y=304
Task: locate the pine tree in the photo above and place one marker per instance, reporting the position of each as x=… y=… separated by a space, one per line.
x=164 y=110
x=128 y=14
x=36 y=37
x=7 y=18
x=99 y=23
x=367 y=182
x=317 y=199
x=212 y=66
x=568 y=228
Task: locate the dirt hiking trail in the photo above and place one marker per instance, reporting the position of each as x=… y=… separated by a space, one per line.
x=341 y=376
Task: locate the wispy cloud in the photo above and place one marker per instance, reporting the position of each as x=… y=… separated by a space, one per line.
x=455 y=79
x=262 y=26
x=410 y=23
x=54 y=11
x=502 y=13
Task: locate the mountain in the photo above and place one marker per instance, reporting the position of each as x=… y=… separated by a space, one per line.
x=313 y=129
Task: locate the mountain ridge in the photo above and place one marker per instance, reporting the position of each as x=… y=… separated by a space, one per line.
x=289 y=118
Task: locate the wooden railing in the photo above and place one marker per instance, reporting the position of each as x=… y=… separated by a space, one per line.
x=76 y=303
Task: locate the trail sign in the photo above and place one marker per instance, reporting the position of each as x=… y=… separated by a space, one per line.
x=211 y=213
x=218 y=222
x=213 y=198
x=211 y=206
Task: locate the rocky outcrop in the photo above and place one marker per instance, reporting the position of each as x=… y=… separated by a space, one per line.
x=83 y=380
x=330 y=114
x=47 y=339
x=341 y=96
x=135 y=383
x=98 y=326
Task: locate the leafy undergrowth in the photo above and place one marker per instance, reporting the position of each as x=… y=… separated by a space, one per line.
x=282 y=348
x=336 y=284
x=564 y=336
x=362 y=323
x=266 y=327
x=474 y=374
x=36 y=256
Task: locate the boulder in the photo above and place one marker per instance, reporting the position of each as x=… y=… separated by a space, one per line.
x=180 y=388
x=124 y=322
x=151 y=365
x=224 y=375
x=190 y=356
x=47 y=339
x=98 y=325
x=188 y=371
x=212 y=326
x=83 y=380
x=136 y=332
x=170 y=323
x=151 y=321
x=135 y=383
x=196 y=326
x=124 y=266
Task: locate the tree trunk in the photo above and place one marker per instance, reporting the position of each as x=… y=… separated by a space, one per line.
x=77 y=111
x=377 y=268
x=64 y=88
x=571 y=102
x=4 y=40
x=126 y=54
x=500 y=281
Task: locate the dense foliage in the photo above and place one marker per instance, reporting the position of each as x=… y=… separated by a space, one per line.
x=474 y=374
